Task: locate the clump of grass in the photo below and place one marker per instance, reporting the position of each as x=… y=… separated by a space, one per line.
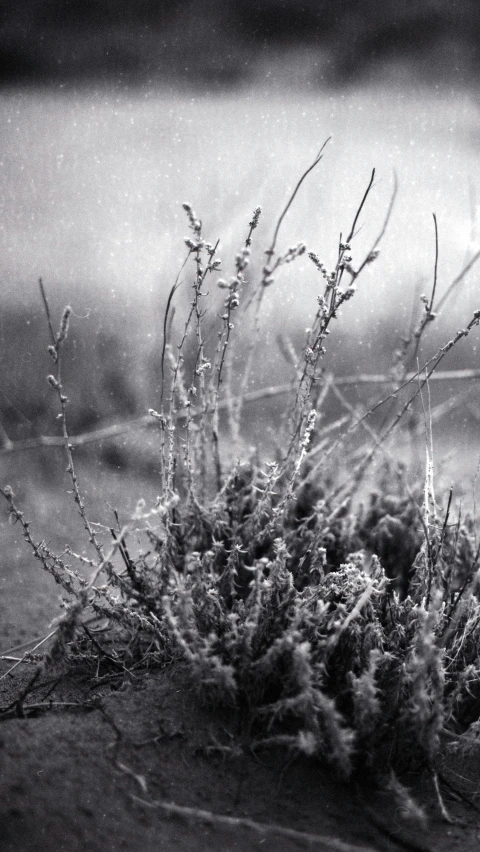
x=344 y=632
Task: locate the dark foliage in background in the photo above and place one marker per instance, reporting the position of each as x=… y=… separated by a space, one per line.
x=214 y=41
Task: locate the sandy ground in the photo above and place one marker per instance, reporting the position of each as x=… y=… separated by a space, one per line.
x=151 y=769
x=139 y=764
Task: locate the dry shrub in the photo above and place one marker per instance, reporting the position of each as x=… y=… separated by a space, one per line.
x=346 y=632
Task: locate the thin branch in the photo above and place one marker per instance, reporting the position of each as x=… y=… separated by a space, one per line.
x=389 y=212
x=211 y=818
x=47 y=311
x=47 y=705
x=28 y=653
x=315 y=163
x=381 y=379
x=429 y=369
x=456 y=281
x=331 y=301
x=165 y=329
x=435 y=271
x=428 y=315
x=372 y=254
x=118 y=429
x=55 y=382
x=362 y=203
x=257 y=296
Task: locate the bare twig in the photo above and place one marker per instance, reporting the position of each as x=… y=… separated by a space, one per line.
x=47 y=705
x=333 y=298
x=456 y=281
x=428 y=314
x=165 y=329
x=373 y=253
x=196 y=814
x=55 y=382
x=290 y=201
x=435 y=272
x=360 y=207
x=266 y=280
x=47 y=311
x=28 y=653
x=146 y=421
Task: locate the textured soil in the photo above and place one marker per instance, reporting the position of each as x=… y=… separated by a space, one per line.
x=147 y=767
x=106 y=780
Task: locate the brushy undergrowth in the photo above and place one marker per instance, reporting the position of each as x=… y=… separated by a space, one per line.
x=344 y=631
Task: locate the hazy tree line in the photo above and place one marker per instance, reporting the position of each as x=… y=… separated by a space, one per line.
x=218 y=39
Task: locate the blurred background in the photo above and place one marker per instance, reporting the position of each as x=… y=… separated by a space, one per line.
x=114 y=113
x=221 y=42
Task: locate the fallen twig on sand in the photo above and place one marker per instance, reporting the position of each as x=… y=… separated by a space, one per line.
x=331 y=844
